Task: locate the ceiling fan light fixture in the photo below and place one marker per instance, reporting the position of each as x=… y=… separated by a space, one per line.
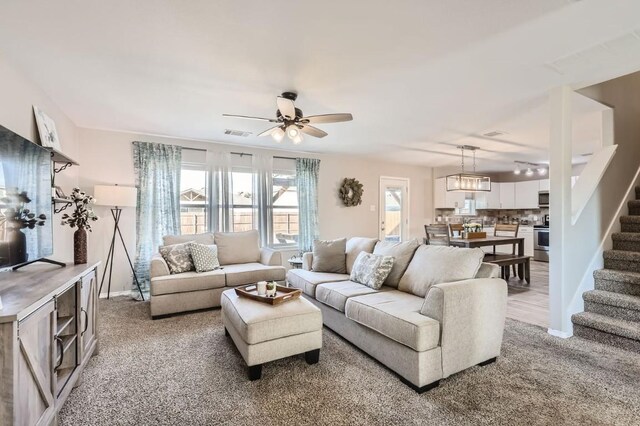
x=293 y=131
x=278 y=134
x=297 y=139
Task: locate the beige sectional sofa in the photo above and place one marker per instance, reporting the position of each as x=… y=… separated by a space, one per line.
x=423 y=339
x=242 y=262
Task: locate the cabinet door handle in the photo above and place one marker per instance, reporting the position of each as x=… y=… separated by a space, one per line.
x=61 y=347
x=86 y=321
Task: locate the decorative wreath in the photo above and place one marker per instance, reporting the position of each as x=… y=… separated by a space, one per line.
x=351 y=192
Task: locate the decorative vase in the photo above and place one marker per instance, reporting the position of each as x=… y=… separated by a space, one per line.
x=80 y=246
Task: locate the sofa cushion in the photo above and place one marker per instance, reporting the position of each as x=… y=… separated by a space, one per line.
x=396 y=315
x=259 y=322
x=238 y=247
x=439 y=264
x=337 y=294
x=329 y=256
x=178 y=257
x=402 y=254
x=205 y=257
x=204 y=238
x=371 y=269
x=249 y=273
x=308 y=280
x=357 y=245
x=188 y=281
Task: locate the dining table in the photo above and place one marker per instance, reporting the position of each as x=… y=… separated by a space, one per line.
x=489 y=241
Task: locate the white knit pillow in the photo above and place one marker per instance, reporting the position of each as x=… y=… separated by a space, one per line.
x=205 y=257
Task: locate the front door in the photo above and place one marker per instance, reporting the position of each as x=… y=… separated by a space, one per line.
x=394 y=209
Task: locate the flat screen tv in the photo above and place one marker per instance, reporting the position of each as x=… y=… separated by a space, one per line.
x=26 y=217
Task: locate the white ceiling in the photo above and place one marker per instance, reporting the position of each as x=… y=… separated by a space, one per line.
x=419 y=76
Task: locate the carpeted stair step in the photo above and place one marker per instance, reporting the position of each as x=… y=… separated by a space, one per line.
x=627 y=241
x=623 y=282
x=622 y=260
x=630 y=223
x=614 y=305
x=610 y=331
x=634 y=207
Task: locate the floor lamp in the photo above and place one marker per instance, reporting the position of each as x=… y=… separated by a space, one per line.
x=116 y=197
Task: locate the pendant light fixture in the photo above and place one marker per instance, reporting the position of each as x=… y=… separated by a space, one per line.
x=468 y=182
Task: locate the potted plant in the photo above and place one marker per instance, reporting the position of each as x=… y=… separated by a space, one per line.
x=81 y=219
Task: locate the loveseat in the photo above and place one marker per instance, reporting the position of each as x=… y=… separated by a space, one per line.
x=242 y=261
x=421 y=337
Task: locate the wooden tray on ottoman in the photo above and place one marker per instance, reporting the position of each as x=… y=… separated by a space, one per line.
x=283 y=294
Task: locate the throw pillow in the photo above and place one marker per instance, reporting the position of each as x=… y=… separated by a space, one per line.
x=401 y=253
x=371 y=269
x=329 y=256
x=355 y=246
x=238 y=247
x=178 y=257
x=205 y=257
x=439 y=264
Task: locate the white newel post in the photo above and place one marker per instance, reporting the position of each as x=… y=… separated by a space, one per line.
x=560 y=210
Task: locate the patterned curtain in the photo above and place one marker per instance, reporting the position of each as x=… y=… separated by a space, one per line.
x=262 y=166
x=157 y=169
x=307 y=171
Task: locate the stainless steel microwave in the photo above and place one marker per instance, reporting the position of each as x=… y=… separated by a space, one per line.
x=543 y=199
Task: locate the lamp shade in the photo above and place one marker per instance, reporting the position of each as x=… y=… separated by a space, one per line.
x=115 y=196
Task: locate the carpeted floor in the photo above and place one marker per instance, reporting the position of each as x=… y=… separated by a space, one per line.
x=182 y=370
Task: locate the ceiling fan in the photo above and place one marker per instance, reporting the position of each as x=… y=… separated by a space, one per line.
x=290 y=121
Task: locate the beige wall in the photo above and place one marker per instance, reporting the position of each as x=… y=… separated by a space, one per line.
x=106 y=159
x=16 y=113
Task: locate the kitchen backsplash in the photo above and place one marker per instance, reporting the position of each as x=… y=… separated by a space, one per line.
x=490 y=217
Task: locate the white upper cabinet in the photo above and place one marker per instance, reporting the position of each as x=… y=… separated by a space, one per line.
x=507 y=195
x=527 y=194
x=489 y=200
x=444 y=199
x=544 y=185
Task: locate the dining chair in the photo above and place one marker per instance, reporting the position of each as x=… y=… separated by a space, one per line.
x=437 y=235
x=455 y=227
x=507 y=230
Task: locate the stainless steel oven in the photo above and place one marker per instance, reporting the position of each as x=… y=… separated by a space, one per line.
x=543 y=199
x=541 y=243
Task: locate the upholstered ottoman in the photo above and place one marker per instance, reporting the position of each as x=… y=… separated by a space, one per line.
x=264 y=333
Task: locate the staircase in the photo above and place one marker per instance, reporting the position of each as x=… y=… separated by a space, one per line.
x=612 y=310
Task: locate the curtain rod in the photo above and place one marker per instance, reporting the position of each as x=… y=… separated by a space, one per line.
x=238 y=153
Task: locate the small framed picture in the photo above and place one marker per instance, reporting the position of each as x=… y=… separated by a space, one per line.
x=59 y=193
x=46 y=129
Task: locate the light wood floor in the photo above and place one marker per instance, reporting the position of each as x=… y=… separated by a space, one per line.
x=530 y=303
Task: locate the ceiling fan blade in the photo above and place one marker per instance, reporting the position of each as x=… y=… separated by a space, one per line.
x=313 y=131
x=268 y=131
x=246 y=117
x=286 y=107
x=327 y=118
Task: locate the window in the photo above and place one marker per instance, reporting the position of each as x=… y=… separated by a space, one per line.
x=285 y=209
x=242 y=204
x=194 y=208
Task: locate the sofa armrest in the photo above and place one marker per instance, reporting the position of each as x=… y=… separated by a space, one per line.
x=472 y=316
x=307 y=261
x=158 y=266
x=488 y=270
x=270 y=257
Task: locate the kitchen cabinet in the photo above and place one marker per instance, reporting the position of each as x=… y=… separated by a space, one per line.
x=526 y=194
x=444 y=199
x=526 y=232
x=507 y=195
x=489 y=200
x=544 y=185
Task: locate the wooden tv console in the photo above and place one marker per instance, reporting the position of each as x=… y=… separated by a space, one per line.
x=48 y=332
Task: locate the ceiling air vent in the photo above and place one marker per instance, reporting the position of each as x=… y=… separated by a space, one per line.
x=494 y=134
x=236 y=133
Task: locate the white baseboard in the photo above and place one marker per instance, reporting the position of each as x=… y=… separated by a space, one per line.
x=557 y=333
x=115 y=294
